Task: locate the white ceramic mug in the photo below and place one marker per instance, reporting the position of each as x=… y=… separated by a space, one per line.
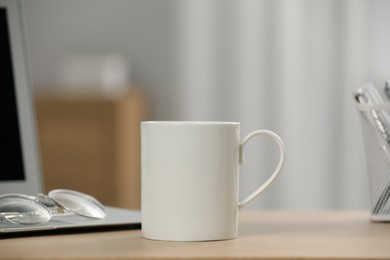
x=190 y=179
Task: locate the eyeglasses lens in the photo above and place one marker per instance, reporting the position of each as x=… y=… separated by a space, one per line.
x=78 y=202
x=21 y=209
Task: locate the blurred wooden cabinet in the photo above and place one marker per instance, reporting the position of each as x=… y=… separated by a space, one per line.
x=91 y=143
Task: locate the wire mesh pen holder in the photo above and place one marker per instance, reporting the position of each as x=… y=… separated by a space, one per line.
x=375 y=125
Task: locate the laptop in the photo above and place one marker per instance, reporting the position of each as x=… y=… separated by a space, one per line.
x=20 y=170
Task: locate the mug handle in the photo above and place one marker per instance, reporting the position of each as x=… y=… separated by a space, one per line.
x=278 y=169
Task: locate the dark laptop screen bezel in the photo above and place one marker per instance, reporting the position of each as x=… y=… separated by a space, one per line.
x=11 y=161
x=32 y=182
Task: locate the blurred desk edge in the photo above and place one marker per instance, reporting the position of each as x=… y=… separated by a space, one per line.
x=262 y=235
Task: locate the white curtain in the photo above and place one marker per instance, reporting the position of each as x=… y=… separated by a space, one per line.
x=287 y=66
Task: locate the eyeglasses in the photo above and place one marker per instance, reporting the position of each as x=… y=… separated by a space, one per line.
x=31 y=210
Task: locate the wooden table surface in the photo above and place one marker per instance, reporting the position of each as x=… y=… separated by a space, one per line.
x=262 y=235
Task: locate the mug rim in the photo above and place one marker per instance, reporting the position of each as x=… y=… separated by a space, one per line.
x=178 y=122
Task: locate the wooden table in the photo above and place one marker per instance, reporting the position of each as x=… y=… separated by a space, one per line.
x=262 y=235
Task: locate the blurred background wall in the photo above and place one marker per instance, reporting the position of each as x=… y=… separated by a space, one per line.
x=287 y=66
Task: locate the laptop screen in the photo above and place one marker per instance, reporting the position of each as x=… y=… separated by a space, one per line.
x=11 y=162
x=19 y=161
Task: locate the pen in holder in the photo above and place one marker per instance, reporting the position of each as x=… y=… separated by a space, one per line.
x=376 y=136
